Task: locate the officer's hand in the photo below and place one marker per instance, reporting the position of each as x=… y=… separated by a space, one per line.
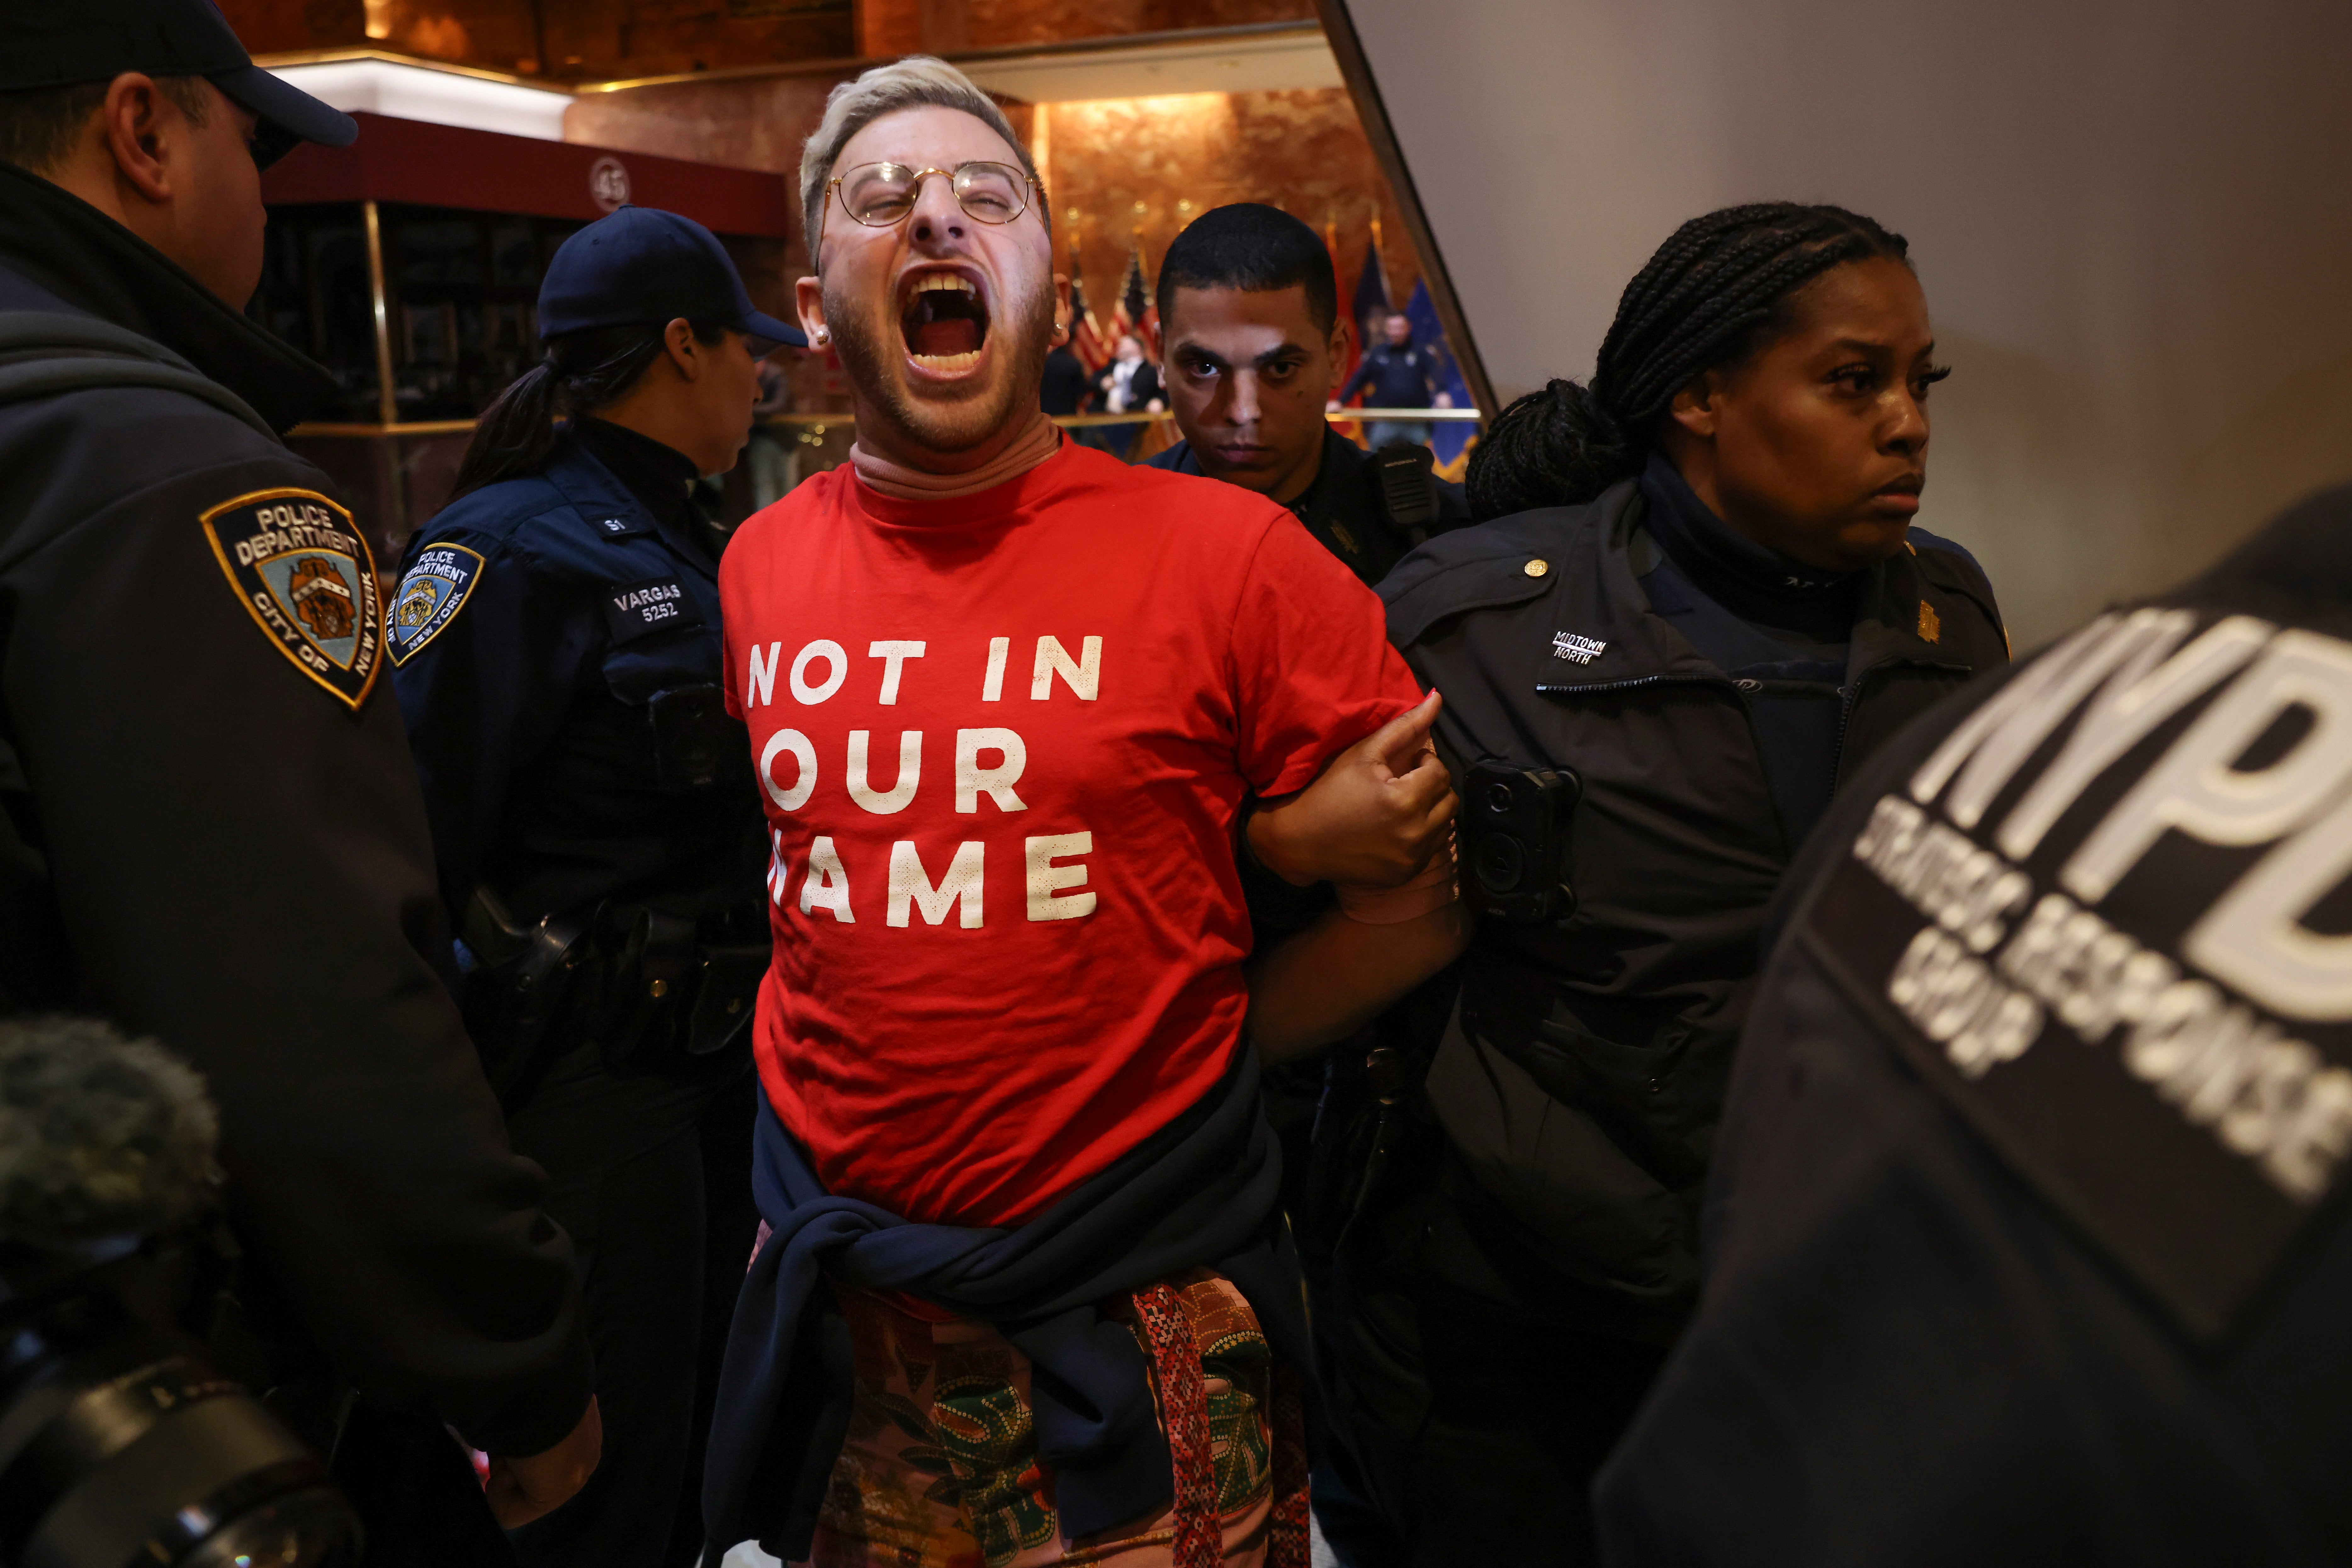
x=520 y=1490
x=1374 y=818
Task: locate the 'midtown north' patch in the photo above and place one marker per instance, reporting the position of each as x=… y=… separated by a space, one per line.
x=308 y=580
x=430 y=596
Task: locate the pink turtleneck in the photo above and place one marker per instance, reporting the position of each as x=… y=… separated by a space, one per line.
x=1033 y=447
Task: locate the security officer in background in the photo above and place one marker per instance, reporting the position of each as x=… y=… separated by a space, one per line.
x=2026 y=1239
x=1699 y=602
x=555 y=644
x=209 y=828
x=1249 y=311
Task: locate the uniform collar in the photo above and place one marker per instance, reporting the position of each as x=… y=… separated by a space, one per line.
x=1597 y=597
x=61 y=243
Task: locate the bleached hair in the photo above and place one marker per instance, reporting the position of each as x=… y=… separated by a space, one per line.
x=911 y=83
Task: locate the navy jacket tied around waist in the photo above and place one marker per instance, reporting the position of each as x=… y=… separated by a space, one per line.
x=1200 y=1192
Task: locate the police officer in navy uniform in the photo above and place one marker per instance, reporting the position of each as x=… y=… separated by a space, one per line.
x=1698 y=605
x=556 y=649
x=1249 y=314
x=2026 y=1240
x=209 y=828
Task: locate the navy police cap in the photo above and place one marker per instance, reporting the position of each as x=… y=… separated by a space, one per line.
x=645 y=266
x=65 y=43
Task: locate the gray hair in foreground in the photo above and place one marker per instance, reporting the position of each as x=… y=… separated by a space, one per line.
x=911 y=83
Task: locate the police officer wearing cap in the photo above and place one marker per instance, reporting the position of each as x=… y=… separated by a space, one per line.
x=555 y=645
x=209 y=830
x=2027 y=1241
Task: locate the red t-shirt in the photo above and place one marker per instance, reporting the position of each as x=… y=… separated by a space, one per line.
x=1004 y=738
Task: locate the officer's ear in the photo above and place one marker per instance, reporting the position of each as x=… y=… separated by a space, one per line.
x=685 y=355
x=1695 y=407
x=142 y=129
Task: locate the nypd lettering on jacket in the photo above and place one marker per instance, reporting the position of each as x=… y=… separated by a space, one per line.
x=308 y=579
x=2111 y=919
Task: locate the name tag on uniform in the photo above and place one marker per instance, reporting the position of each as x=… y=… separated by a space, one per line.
x=633 y=610
x=2106 y=921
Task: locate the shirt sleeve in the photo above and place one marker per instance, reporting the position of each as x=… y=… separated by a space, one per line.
x=242 y=871
x=1313 y=670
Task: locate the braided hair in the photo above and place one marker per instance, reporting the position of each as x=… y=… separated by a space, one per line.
x=1713 y=294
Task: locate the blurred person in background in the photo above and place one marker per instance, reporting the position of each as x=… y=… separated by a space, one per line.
x=1699 y=604
x=189 y=602
x=1065 y=388
x=1395 y=373
x=556 y=641
x=1129 y=384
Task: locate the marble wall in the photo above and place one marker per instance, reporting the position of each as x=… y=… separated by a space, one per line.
x=591 y=40
x=1116 y=170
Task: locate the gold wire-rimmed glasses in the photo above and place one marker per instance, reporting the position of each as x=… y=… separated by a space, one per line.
x=880 y=194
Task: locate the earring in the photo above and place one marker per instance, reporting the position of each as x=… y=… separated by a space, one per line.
x=1061 y=332
x=822 y=336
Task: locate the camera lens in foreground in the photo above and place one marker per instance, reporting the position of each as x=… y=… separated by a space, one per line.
x=165 y=1464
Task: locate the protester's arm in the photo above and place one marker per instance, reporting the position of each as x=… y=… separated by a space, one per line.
x=243 y=872
x=1373 y=818
x=1340 y=974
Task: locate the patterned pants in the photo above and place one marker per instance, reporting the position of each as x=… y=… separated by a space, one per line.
x=940 y=1470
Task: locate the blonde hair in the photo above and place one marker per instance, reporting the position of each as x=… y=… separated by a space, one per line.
x=911 y=83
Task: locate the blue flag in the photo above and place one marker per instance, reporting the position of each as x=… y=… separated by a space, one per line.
x=1449 y=438
x=1372 y=294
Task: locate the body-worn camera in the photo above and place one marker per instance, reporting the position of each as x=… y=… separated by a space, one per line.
x=1515 y=824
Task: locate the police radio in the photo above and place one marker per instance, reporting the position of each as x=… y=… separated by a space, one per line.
x=1515 y=825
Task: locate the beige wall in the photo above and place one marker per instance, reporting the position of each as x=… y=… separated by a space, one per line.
x=2134 y=220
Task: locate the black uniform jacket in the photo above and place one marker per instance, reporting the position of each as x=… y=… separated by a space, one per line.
x=212 y=835
x=558 y=658
x=2026 y=1240
x=1345 y=509
x=1582 y=1089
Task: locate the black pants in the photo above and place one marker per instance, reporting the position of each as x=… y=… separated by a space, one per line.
x=650 y=1174
x=1467 y=1427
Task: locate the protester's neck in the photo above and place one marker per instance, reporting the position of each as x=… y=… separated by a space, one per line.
x=908 y=473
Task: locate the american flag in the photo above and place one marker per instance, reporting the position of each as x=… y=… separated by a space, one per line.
x=1135 y=312
x=1085 y=337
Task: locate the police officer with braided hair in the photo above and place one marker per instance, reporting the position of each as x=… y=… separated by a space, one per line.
x=1698 y=606
x=2026 y=1239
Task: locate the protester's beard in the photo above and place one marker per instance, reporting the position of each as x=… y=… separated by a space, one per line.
x=995 y=403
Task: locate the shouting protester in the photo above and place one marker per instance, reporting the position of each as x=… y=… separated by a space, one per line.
x=1027 y=1293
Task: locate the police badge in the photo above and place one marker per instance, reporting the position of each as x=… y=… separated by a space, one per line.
x=431 y=594
x=307 y=578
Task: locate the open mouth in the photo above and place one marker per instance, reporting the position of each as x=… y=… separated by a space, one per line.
x=944 y=322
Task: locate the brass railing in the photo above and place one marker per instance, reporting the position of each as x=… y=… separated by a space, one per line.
x=459 y=426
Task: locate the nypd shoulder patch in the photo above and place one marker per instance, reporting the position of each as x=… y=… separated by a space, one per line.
x=431 y=593
x=307 y=577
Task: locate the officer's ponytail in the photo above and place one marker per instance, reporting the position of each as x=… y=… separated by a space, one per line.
x=1712 y=295
x=582 y=372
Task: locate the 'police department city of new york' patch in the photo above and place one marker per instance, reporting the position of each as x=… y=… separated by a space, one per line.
x=431 y=594
x=308 y=579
